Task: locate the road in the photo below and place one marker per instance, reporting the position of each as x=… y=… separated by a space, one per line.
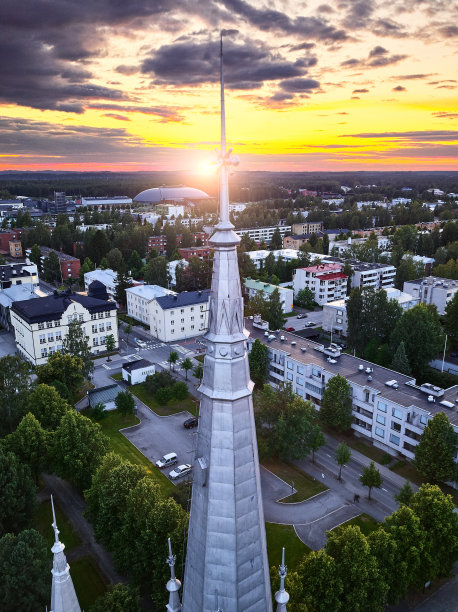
x=315 y=317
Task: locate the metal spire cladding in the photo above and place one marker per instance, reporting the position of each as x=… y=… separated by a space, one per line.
x=226 y=558
x=173 y=585
x=281 y=596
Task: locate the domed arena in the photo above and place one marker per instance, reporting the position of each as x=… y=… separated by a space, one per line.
x=158 y=195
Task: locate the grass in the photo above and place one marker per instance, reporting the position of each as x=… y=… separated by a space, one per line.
x=305 y=485
x=88 y=581
x=42 y=520
x=117 y=376
x=279 y=536
x=366 y=523
x=358 y=444
x=200 y=358
x=129 y=321
x=119 y=444
x=172 y=407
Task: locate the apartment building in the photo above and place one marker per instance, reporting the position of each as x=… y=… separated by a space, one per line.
x=295 y=241
x=307 y=227
x=389 y=408
x=326 y=281
x=69 y=266
x=433 y=290
x=107 y=278
x=375 y=275
x=258 y=257
x=140 y=298
x=16 y=293
x=41 y=325
x=342 y=247
x=180 y=316
x=252 y=287
x=202 y=252
x=263 y=234
x=19 y=274
x=160 y=242
x=15 y=248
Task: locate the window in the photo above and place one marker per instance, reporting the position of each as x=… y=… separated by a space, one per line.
x=56 y=323
x=172 y=312
x=182 y=329
x=192 y=318
x=192 y=326
x=107 y=314
x=50 y=337
x=381 y=406
x=182 y=320
x=172 y=331
x=49 y=324
x=172 y=322
x=300 y=382
x=102 y=339
x=300 y=369
x=380 y=419
x=397 y=413
x=313 y=388
x=100 y=315
x=289 y=365
x=339 y=320
x=58 y=335
x=201 y=316
x=44 y=352
x=81 y=318
x=42 y=338
x=51 y=350
x=182 y=310
x=101 y=327
x=108 y=326
x=395 y=426
x=69 y=319
x=94 y=329
x=380 y=432
x=59 y=347
x=300 y=392
x=395 y=439
x=289 y=376
x=95 y=342
x=424 y=419
x=41 y=325
x=93 y=317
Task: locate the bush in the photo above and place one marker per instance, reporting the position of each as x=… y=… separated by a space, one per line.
x=180 y=390
x=163 y=395
x=386 y=459
x=158 y=381
x=98 y=412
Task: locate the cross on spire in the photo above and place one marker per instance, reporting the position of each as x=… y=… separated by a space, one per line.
x=281 y=596
x=173 y=585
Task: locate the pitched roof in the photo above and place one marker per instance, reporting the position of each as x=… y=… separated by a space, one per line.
x=104 y=394
x=186 y=298
x=52 y=307
x=130 y=366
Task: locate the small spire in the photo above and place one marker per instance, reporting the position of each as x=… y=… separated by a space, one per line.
x=281 y=596
x=173 y=585
x=54 y=522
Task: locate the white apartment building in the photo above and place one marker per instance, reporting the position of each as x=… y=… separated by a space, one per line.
x=263 y=234
x=237 y=207
x=107 y=277
x=388 y=407
x=19 y=274
x=41 y=325
x=180 y=316
x=341 y=247
x=252 y=287
x=433 y=290
x=258 y=257
x=335 y=313
x=326 y=281
x=375 y=275
x=140 y=298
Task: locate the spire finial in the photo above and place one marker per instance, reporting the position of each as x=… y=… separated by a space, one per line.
x=173 y=585
x=281 y=596
x=54 y=522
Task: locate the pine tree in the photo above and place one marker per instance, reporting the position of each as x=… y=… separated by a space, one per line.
x=51 y=268
x=35 y=255
x=259 y=362
x=123 y=282
x=275 y=315
x=400 y=361
x=276 y=240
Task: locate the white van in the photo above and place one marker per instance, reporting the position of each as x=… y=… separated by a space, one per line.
x=166 y=460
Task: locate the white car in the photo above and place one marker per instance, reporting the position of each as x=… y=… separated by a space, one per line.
x=141 y=343
x=166 y=460
x=179 y=471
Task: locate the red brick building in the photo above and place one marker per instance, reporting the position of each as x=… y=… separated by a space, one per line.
x=160 y=242
x=69 y=266
x=7 y=236
x=201 y=252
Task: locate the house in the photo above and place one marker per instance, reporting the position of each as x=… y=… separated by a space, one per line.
x=433 y=290
x=19 y=274
x=326 y=281
x=135 y=372
x=252 y=287
x=40 y=326
x=178 y=316
x=140 y=298
x=104 y=395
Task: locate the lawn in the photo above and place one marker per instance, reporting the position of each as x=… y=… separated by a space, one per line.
x=305 y=485
x=117 y=376
x=88 y=581
x=173 y=407
x=199 y=358
x=129 y=321
x=42 y=520
x=366 y=523
x=279 y=536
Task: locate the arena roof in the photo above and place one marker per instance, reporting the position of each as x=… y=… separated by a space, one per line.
x=170 y=194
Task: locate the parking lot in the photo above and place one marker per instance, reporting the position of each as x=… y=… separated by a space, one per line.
x=315 y=317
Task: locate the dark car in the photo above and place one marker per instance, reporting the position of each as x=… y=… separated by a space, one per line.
x=192 y=422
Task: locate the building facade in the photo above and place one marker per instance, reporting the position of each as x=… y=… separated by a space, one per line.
x=40 y=326
x=252 y=287
x=433 y=290
x=179 y=316
x=374 y=275
x=201 y=252
x=69 y=266
x=307 y=227
x=19 y=274
x=140 y=298
x=263 y=234
x=326 y=281
x=135 y=372
x=258 y=257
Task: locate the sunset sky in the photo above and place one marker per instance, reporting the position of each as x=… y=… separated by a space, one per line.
x=133 y=84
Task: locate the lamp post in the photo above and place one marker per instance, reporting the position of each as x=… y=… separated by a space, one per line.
x=445 y=348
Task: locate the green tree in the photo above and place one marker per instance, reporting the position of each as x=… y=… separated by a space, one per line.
x=186 y=364
x=420 y=330
x=356 y=333
x=14 y=388
x=363 y=587
x=35 y=255
x=435 y=453
x=79 y=446
x=104 y=264
x=17 y=493
x=25 y=563
x=276 y=240
x=163 y=396
x=63 y=368
x=293 y=429
x=257 y=304
x=98 y=246
x=405 y=494
x=51 y=268
x=172 y=359
x=316 y=440
x=342 y=457
x=400 y=361
x=119 y=598
x=322 y=586
x=47 y=406
x=87 y=266
x=30 y=443
x=125 y=403
x=336 y=404
x=135 y=264
x=198 y=371
x=305 y=298
x=76 y=344
x=180 y=390
x=98 y=412
x=123 y=282
x=159 y=380
x=115 y=259
x=371 y=478
x=259 y=363
x=156 y=272
x=110 y=344
x=383 y=547
x=274 y=315
x=451 y=320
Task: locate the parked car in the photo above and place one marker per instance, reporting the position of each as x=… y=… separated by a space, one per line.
x=191 y=422
x=166 y=460
x=302 y=316
x=180 y=471
x=289 y=329
x=310 y=324
x=343 y=345
x=141 y=343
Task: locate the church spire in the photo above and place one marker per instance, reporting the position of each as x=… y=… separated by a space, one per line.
x=281 y=596
x=173 y=585
x=63 y=596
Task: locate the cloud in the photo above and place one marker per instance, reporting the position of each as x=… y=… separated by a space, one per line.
x=411 y=77
x=413 y=136
x=385 y=60
x=168 y=114
x=399 y=88
x=115 y=116
x=299 y=85
x=358 y=91
x=376 y=51
x=445 y=115
x=127 y=70
x=306 y=46
x=377 y=58
x=448 y=31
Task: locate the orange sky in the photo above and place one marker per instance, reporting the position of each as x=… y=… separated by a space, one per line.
x=347 y=85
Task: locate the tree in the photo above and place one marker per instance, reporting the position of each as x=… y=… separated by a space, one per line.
x=451 y=320
x=115 y=259
x=180 y=390
x=25 y=563
x=47 y=406
x=159 y=380
x=104 y=264
x=356 y=333
x=434 y=455
x=76 y=344
x=87 y=266
x=17 y=493
x=30 y=443
x=405 y=494
x=51 y=268
x=172 y=359
x=371 y=477
x=156 y=272
x=119 y=598
x=79 y=446
x=322 y=587
x=293 y=428
x=110 y=344
x=257 y=304
x=98 y=245
x=259 y=362
x=305 y=298
x=383 y=547
x=14 y=387
x=135 y=264
x=186 y=364
x=421 y=331
x=342 y=457
x=274 y=314
x=125 y=403
x=316 y=440
x=35 y=255
x=336 y=404
x=63 y=368
x=400 y=361
x=198 y=371
x=123 y=282
x=276 y=240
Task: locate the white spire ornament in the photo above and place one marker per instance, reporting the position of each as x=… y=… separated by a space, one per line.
x=281 y=596
x=63 y=596
x=173 y=585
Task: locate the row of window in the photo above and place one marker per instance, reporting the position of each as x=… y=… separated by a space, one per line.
x=101 y=327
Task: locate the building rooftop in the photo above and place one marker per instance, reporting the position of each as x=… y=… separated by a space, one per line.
x=8 y=271
x=106 y=277
x=45 y=251
x=167 y=194
x=16 y=293
x=103 y=394
x=130 y=366
x=326 y=267
x=329 y=277
x=186 y=298
x=435 y=281
x=149 y=292
x=260 y=286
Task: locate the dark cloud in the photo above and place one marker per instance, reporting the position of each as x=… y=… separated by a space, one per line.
x=448 y=31
x=414 y=136
x=168 y=114
x=378 y=57
x=385 y=60
x=376 y=51
x=358 y=91
x=325 y=8
x=305 y=46
x=351 y=62
x=445 y=115
x=247 y=65
x=358 y=14
x=299 y=85
x=399 y=88
x=115 y=116
x=388 y=27
x=411 y=77
x=127 y=70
